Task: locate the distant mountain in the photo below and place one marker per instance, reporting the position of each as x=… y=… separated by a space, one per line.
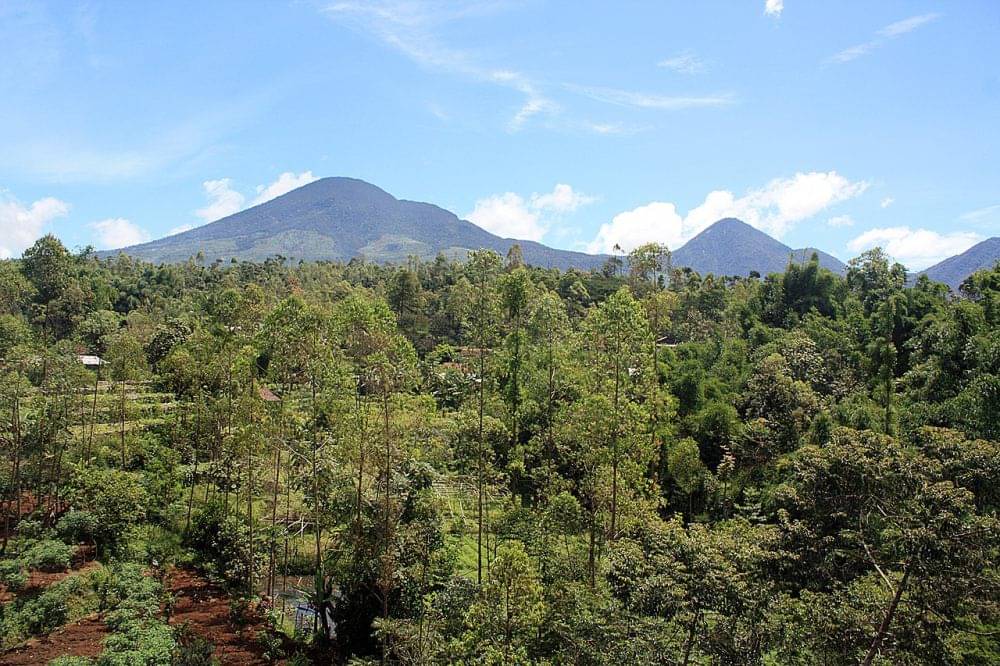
x=733 y=247
x=339 y=219
x=953 y=270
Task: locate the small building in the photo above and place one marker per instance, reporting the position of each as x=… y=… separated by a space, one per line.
x=91 y=361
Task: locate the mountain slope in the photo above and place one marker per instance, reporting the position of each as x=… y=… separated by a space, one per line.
x=953 y=270
x=733 y=247
x=339 y=219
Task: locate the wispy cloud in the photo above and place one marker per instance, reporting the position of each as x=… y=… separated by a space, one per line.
x=886 y=202
x=907 y=25
x=774 y=7
x=683 y=63
x=412 y=30
x=981 y=213
x=643 y=100
x=883 y=36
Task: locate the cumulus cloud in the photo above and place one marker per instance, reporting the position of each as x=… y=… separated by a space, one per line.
x=883 y=36
x=562 y=199
x=223 y=200
x=683 y=63
x=22 y=224
x=284 y=184
x=888 y=201
x=774 y=209
x=774 y=7
x=915 y=248
x=512 y=216
x=116 y=232
x=841 y=221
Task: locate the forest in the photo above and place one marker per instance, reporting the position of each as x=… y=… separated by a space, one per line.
x=483 y=462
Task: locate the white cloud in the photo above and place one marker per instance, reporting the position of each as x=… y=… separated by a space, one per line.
x=915 y=248
x=888 y=201
x=223 y=200
x=180 y=229
x=683 y=63
x=841 y=221
x=116 y=232
x=653 y=101
x=22 y=225
x=511 y=216
x=981 y=213
x=412 y=28
x=774 y=7
x=774 y=209
x=562 y=199
x=906 y=25
x=284 y=184
x=507 y=215
x=889 y=32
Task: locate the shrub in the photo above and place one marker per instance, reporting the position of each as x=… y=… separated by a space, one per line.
x=77 y=527
x=71 y=661
x=49 y=556
x=146 y=642
x=221 y=544
x=191 y=649
x=30 y=529
x=12 y=575
x=116 y=499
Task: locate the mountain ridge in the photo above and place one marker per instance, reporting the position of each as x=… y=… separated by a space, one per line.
x=341 y=218
x=953 y=270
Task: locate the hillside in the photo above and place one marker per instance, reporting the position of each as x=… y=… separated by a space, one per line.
x=733 y=247
x=343 y=218
x=953 y=270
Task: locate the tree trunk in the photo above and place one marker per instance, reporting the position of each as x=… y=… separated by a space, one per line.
x=887 y=619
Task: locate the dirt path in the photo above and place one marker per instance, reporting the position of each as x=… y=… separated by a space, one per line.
x=83 y=638
x=205 y=608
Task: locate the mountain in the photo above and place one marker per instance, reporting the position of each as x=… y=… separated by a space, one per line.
x=338 y=219
x=733 y=247
x=953 y=270
x=342 y=218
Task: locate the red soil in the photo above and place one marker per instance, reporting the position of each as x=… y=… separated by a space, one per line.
x=205 y=608
x=83 y=561
x=82 y=639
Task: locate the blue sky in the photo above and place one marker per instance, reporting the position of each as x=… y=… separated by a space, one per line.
x=840 y=125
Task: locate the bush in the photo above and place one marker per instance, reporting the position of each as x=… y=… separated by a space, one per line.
x=192 y=649
x=116 y=499
x=77 y=527
x=146 y=642
x=49 y=556
x=139 y=637
x=221 y=544
x=30 y=529
x=71 y=661
x=13 y=575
